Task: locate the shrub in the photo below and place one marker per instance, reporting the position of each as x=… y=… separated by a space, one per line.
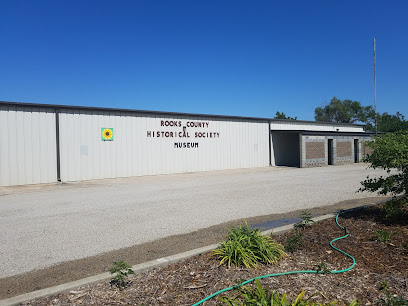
x=122 y=270
x=390 y=153
x=263 y=297
x=245 y=246
x=393 y=208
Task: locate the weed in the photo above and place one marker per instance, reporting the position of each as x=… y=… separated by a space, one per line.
x=239 y=281
x=306 y=220
x=122 y=270
x=321 y=267
x=294 y=242
x=263 y=297
x=383 y=235
x=390 y=300
x=246 y=246
x=383 y=286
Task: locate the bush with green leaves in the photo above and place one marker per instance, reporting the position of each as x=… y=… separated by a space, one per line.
x=122 y=271
x=245 y=246
x=390 y=153
x=259 y=296
x=393 y=208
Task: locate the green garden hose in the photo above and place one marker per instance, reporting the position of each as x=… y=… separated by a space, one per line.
x=291 y=272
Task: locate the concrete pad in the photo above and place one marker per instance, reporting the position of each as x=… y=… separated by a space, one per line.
x=44 y=225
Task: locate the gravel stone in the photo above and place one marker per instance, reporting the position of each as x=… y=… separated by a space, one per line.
x=43 y=225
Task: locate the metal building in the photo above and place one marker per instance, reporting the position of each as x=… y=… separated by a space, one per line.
x=42 y=143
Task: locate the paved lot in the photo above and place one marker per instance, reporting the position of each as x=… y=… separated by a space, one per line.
x=44 y=225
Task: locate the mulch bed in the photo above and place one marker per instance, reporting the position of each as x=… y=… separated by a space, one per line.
x=191 y=280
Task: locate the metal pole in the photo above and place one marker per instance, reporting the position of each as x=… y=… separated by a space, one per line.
x=375 y=95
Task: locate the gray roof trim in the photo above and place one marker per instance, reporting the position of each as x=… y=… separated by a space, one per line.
x=322 y=133
x=93 y=108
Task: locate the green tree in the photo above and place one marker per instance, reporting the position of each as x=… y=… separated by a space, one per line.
x=281 y=115
x=391 y=123
x=390 y=153
x=346 y=111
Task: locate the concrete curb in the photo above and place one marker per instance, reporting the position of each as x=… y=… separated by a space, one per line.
x=136 y=268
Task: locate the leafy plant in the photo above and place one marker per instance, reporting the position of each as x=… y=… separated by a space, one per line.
x=245 y=246
x=293 y=243
x=390 y=300
x=262 y=297
x=383 y=235
x=393 y=208
x=321 y=267
x=390 y=153
x=306 y=220
x=122 y=270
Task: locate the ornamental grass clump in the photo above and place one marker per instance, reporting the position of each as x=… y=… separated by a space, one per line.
x=245 y=246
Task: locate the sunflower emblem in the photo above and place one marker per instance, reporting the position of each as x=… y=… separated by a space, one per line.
x=107 y=133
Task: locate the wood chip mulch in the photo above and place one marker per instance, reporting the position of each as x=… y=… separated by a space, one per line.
x=191 y=280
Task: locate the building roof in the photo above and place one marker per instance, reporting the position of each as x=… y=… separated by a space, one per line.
x=93 y=108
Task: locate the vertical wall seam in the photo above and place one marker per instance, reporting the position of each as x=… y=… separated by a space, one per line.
x=270 y=143
x=57 y=137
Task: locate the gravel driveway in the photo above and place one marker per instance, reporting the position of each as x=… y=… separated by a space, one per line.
x=47 y=224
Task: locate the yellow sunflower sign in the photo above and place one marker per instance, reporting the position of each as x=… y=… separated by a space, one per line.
x=107 y=134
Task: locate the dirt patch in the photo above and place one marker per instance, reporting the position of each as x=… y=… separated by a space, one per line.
x=73 y=270
x=190 y=280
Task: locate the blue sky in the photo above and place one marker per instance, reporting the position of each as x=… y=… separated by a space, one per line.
x=245 y=58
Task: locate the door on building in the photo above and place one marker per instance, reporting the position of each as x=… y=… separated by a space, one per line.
x=330 y=151
x=356 y=151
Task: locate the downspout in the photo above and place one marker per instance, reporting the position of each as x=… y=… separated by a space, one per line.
x=58 y=144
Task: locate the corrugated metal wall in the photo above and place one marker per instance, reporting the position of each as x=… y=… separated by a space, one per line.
x=228 y=144
x=27 y=145
x=143 y=143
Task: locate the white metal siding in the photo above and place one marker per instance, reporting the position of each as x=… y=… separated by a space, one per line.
x=241 y=144
x=314 y=126
x=27 y=146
